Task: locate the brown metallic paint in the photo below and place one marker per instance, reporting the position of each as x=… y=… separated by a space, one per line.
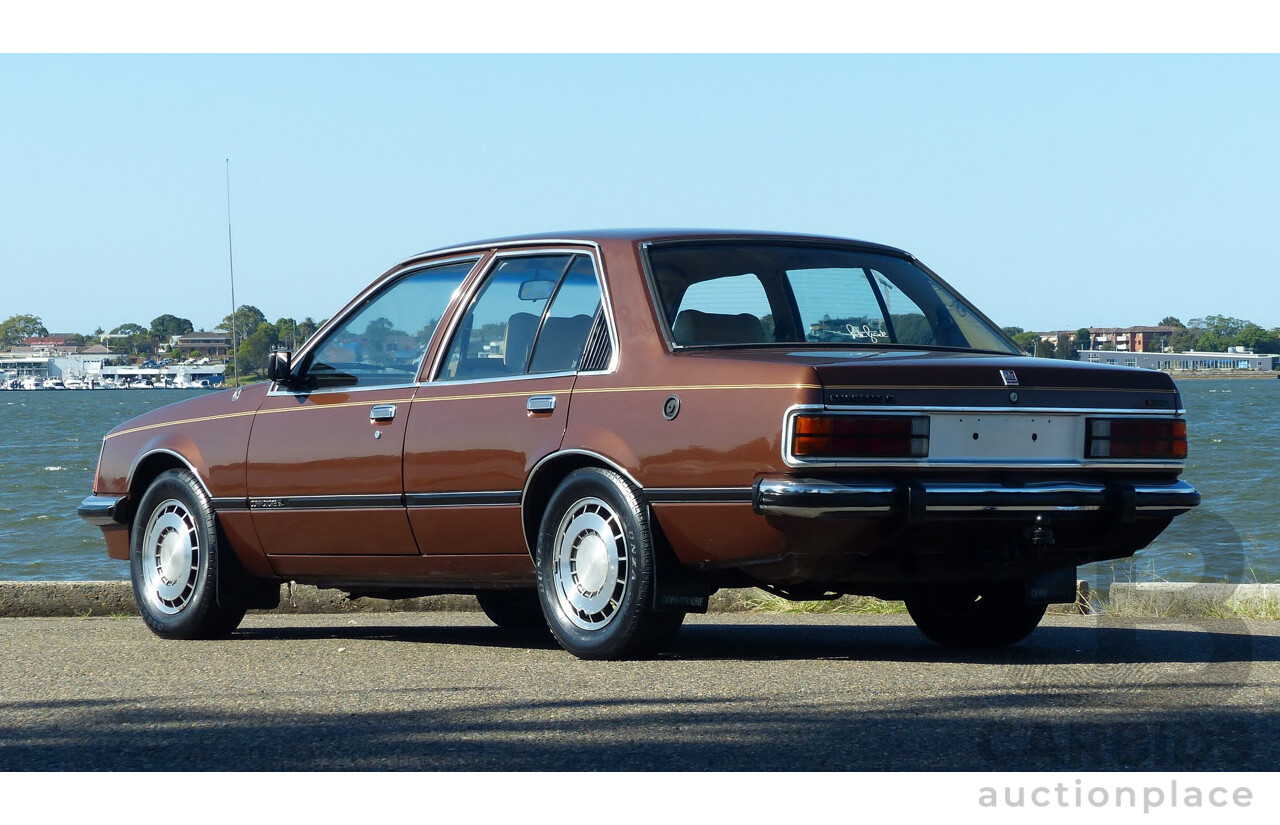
x=237 y=526
x=468 y=530
x=713 y=534
x=209 y=432
x=334 y=433
x=477 y=437
x=447 y=571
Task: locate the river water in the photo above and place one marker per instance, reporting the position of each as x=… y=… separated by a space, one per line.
x=49 y=444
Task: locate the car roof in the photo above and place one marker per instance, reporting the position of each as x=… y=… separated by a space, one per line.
x=636 y=236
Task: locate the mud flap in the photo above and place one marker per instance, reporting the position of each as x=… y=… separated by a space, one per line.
x=1054 y=587
x=236 y=588
x=680 y=592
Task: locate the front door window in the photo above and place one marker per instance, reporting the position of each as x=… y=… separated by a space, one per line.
x=383 y=342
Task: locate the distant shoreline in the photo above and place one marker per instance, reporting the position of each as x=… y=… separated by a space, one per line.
x=1200 y=375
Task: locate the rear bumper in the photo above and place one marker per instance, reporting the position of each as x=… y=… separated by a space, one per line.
x=825 y=498
x=104 y=511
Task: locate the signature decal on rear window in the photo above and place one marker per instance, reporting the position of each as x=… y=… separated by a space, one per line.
x=866 y=333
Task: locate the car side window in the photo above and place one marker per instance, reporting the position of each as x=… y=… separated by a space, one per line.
x=382 y=343
x=568 y=323
x=496 y=334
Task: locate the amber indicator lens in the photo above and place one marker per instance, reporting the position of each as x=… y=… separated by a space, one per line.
x=859 y=436
x=1136 y=438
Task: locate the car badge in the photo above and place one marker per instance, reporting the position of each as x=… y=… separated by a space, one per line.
x=1010 y=378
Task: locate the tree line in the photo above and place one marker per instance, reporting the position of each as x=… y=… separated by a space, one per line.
x=1213 y=333
x=255 y=336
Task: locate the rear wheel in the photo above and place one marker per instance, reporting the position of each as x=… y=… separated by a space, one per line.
x=512 y=609
x=174 y=561
x=596 y=569
x=987 y=615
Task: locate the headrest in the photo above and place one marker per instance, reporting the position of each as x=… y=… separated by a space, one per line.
x=696 y=327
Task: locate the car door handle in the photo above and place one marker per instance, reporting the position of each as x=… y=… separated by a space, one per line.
x=541 y=403
x=382 y=412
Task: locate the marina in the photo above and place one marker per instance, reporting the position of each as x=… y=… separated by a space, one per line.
x=105 y=377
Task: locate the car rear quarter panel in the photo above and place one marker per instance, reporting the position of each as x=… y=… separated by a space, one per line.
x=726 y=433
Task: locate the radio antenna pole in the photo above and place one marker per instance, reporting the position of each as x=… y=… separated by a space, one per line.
x=231 y=263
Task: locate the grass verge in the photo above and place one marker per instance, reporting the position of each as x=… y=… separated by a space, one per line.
x=761 y=602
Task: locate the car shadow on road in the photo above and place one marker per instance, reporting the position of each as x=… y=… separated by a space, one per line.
x=1118 y=641
x=1112 y=642
x=463 y=635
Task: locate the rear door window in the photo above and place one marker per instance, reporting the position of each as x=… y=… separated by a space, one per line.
x=532 y=315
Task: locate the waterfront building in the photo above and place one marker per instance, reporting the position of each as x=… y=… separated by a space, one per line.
x=18 y=366
x=212 y=344
x=1185 y=361
x=1123 y=339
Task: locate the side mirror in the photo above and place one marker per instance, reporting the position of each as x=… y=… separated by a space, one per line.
x=280 y=367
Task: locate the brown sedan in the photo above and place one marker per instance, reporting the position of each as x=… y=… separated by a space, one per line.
x=598 y=430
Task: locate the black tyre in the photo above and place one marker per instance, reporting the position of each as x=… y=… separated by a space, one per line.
x=174 y=561
x=596 y=570
x=989 y=615
x=513 y=609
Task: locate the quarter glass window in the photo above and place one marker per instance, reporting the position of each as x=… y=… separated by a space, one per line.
x=383 y=342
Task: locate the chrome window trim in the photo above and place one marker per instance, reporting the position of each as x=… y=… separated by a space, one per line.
x=788 y=431
x=275 y=391
x=522 y=249
x=495 y=380
x=401 y=270
x=666 y=326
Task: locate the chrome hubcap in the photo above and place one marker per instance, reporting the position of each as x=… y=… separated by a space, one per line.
x=170 y=557
x=590 y=564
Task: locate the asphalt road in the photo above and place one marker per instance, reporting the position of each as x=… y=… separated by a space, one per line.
x=735 y=692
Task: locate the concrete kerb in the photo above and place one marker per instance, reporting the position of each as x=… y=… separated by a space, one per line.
x=115 y=598
x=1182 y=599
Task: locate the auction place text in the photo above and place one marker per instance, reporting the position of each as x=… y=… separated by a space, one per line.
x=1147 y=798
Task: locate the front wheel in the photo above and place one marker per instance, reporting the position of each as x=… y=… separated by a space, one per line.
x=174 y=561
x=988 y=615
x=596 y=569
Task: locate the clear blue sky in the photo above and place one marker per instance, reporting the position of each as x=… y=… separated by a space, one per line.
x=1054 y=191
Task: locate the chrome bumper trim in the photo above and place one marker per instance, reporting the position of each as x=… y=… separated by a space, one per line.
x=821 y=498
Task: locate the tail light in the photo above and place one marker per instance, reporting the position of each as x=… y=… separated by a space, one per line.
x=1136 y=438
x=860 y=436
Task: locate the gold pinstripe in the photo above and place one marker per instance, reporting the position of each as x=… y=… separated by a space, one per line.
x=585 y=390
x=222 y=416
x=597 y=390
x=176 y=423
x=522 y=394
